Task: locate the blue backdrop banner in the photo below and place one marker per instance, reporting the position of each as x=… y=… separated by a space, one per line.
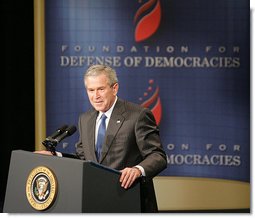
x=186 y=60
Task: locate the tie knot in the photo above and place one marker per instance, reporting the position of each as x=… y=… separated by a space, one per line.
x=103 y=117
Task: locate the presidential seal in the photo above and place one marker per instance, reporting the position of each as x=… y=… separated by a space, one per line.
x=41 y=188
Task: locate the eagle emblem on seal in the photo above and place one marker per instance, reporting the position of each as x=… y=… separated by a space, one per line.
x=41 y=188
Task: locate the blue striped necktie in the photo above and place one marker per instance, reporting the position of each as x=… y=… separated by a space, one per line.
x=100 y=136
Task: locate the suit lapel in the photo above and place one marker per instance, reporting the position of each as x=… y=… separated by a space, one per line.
x=91 y=134
x=114 y=125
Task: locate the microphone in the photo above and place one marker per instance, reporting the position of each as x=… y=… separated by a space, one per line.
x=57 y=132
x=68 y=132
x=61 y=133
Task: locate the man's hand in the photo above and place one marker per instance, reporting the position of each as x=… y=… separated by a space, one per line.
x=128 y=176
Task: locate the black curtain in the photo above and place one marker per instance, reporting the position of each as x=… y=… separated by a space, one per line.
x=18 y=115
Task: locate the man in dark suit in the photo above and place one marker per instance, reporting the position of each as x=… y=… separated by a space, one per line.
x=131 y=141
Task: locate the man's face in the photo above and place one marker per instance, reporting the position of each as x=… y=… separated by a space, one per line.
x=101 y=94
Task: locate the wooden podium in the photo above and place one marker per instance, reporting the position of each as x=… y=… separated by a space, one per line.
x=50 y=184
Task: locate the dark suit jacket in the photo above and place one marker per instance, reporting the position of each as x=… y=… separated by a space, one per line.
x=132 y=138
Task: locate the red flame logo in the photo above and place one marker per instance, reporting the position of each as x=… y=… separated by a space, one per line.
x=149 y=23
x=153 y=102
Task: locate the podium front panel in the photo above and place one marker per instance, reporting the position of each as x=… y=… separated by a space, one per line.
x=81 y=186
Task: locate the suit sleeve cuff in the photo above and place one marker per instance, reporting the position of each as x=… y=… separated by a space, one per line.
x=141 y=169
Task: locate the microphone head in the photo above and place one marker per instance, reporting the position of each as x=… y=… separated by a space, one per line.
x=62 y=128
x=57 y=133
x=71 y=130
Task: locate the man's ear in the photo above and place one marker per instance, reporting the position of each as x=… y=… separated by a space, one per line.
x=115 y=88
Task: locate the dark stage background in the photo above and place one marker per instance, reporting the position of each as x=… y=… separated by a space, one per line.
x=18 y=115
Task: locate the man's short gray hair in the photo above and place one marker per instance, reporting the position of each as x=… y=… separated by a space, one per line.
x=96 y=70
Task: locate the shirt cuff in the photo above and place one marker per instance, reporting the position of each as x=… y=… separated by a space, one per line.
x=141 y=169
x=59 y=154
